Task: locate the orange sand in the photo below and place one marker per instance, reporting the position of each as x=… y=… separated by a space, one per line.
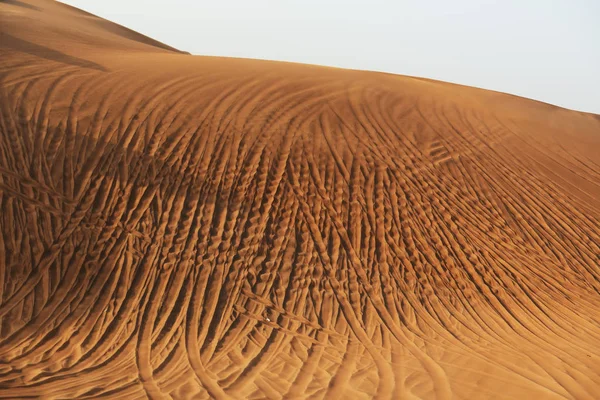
x=174 y=226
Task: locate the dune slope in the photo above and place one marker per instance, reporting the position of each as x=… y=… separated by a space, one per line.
x=174 y=226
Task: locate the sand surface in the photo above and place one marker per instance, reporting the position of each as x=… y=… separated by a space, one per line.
x=176 y=226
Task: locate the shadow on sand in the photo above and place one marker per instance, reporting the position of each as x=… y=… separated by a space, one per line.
x=14 y=43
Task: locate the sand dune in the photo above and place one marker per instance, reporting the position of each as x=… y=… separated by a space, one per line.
x=175 y=226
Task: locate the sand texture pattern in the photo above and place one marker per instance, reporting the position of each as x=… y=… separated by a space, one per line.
x=177 y=226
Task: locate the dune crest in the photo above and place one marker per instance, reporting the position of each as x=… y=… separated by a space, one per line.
x=176 y=226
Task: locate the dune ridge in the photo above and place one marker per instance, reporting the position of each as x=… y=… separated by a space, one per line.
x=177 y=226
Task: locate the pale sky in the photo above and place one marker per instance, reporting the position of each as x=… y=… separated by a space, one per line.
x=547 y=50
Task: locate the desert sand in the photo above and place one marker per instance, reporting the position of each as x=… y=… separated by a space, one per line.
x=178 y=226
